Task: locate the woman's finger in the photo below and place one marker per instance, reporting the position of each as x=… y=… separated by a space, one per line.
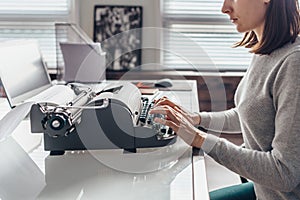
x=158 y=110
x=168 y=123
x=169 y=112
x=164 y=101
x=162 y=98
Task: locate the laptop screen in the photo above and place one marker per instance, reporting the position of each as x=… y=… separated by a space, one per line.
x=22 y=70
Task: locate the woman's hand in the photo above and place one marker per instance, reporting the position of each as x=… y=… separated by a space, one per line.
x=193 y=118
x=181 y=125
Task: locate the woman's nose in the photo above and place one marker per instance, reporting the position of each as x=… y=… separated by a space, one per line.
x=226 y=8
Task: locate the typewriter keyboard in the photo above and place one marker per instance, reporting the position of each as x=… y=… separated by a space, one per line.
x=163 y=132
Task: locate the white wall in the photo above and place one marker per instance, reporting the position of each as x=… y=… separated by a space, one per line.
x=151 y=18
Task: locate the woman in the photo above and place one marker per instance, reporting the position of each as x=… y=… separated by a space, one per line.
x=267 y=100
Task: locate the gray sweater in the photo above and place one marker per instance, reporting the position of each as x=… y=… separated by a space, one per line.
x=267 y=113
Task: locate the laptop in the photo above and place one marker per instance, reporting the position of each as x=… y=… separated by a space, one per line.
x=24 y=76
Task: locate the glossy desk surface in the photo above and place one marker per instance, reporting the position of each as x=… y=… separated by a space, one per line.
x=172 y=172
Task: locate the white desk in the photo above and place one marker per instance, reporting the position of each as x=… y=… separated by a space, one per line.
x=171 y=172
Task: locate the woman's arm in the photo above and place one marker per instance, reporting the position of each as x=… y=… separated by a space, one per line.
x=226 y=121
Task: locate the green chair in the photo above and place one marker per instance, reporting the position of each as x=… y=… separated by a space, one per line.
x=244 y=191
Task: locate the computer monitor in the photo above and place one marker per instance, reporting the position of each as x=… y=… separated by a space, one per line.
x=83 y=62
x=22 y=71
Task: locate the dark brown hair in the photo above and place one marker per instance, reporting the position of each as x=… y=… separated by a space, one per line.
x=281 y=26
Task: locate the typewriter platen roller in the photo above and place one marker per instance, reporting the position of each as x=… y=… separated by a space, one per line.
x=115 y=118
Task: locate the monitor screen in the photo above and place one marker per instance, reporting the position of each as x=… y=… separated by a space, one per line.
x=83 y=62
x=22 y=70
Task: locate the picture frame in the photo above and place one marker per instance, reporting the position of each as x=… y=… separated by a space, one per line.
x=118 y=29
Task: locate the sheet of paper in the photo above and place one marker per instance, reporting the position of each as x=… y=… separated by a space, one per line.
x=57 y=94
x=20 y=177
x=13 y=118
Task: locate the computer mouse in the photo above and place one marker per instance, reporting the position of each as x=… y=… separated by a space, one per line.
x=165 y=82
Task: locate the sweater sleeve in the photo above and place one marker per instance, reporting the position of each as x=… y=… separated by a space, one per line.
x=278 y=168
x=225 y=121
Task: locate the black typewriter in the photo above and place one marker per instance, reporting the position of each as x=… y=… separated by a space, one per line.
x=116 y=118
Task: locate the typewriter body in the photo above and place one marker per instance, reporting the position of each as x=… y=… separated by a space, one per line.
x=114 y=118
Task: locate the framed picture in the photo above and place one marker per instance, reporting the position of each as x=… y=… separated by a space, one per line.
x=117 y=28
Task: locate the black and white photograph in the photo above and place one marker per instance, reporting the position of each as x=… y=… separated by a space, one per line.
x=117 y=28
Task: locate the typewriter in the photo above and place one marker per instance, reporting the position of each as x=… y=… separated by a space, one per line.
x=115 y=118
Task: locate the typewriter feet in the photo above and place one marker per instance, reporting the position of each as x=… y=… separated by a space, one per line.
x=130 y=150
x=57 y=153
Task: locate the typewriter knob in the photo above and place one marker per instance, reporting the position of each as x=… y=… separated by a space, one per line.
x=57 y=124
